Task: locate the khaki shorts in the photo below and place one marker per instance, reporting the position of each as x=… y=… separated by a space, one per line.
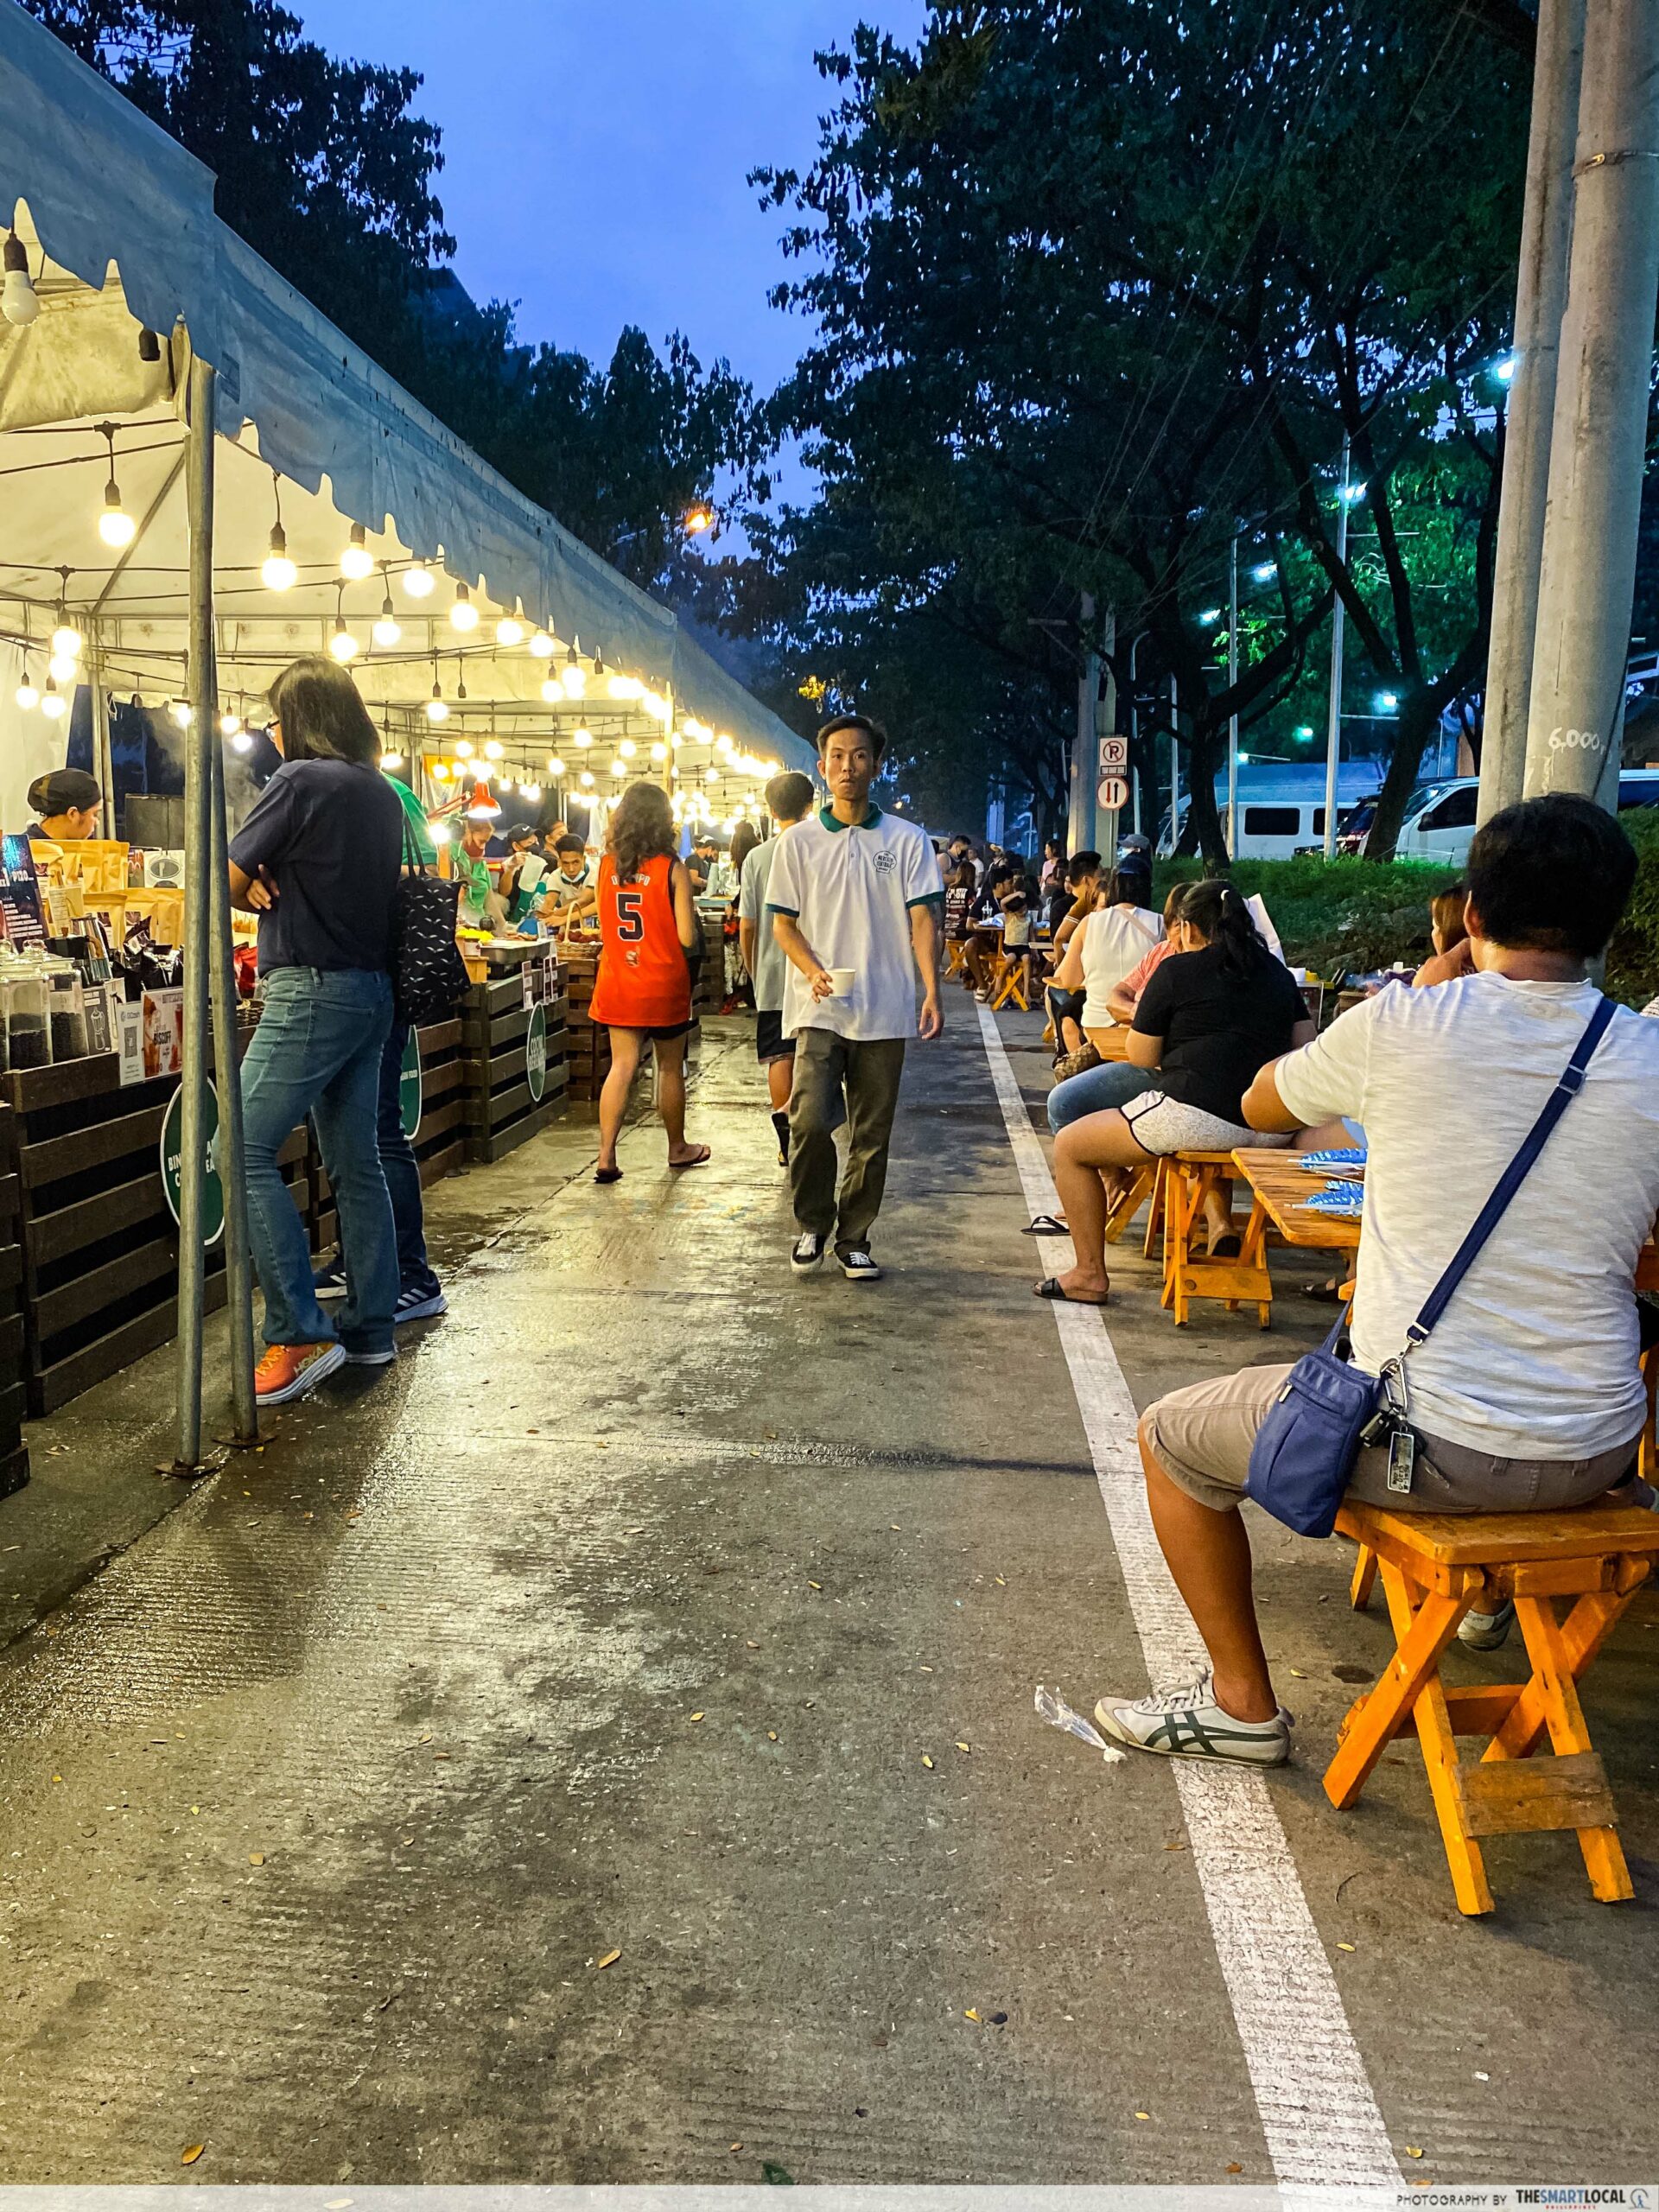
x=1201 y=1437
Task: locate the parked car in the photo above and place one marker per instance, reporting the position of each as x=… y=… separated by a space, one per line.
x=1441 y=817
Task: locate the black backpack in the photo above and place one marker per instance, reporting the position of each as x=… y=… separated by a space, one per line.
x=428 y=977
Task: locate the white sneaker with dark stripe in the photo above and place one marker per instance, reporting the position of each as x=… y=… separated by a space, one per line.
x=1188 y=1723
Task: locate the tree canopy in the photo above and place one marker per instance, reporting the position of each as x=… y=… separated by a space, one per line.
x=1097 y=283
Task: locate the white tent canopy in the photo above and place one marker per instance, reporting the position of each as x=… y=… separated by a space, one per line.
x=122 y=239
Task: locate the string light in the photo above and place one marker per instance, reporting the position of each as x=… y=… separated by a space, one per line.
x=583 y=738
x=626 y=686
x=541 y=645
x=509 y=630
x=628 y=748
x=17 y=301
x=531 y=792
x=586 y=779
x=439 y=832
x=463 y=615
x=115 y=525
x=27 y=696
x=279 y=572
x=66 y=639
x=356 y=562
x=392 y=759
x=493 y=750
x=574 y=676
x=388 y=630
x=181 y=711
x=552 y=689
x=555 y=765
x=463 y=749
x=230 y=725
x=343 y=645
x=437 y=707
x=241 y=742
x=439 y=771
x=418 y=582
x=659 y=751
x=64 y=667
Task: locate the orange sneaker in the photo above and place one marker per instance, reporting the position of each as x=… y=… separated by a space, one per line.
x=289 y=1370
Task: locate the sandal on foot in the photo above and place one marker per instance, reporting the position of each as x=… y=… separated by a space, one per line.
x=607 y=1174
x=1325 y=1294
x=700 y=1158
x=1045 y=1224
x=1051 y=1286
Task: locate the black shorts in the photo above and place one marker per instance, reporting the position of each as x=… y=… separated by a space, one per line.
x=665 y=1035
x=770 y=1042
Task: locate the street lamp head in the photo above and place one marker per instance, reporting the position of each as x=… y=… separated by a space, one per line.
x=1265 y=571
x=1211 y=614
x=1387 y=701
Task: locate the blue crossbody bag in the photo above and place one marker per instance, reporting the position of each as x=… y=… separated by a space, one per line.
x=1304 y=1453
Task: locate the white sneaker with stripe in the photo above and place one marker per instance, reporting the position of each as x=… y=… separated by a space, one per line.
x=1188 y=1723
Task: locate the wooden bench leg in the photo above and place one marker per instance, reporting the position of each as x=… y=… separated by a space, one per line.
x=1379 y=1714
x=1437 y=1740
x=1586 y=1629
x=1139 y=1187
x=1359 y=1590
x=1554 y=1677
x=1156 y=1211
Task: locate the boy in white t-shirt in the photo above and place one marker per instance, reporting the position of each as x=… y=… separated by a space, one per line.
x=855 y=896
x=1527 y=1395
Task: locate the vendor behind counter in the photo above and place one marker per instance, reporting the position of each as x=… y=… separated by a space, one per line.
x=67 y=804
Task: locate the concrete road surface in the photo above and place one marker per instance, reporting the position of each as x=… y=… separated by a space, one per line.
x=602 y=1749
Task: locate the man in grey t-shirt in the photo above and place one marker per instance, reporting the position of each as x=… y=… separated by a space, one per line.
x=789 y=798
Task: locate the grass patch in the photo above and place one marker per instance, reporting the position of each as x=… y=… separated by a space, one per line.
x=1346 y=916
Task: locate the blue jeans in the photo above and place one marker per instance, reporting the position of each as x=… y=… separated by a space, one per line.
x=1114 y=1082
x=317 y=1051
x=402 y=1171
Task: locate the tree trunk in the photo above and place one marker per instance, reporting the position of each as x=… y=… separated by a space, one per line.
x=1204 y=831
x=1418 y=719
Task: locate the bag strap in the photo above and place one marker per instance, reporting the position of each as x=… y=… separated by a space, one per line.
x=411 y=851
x=1514 y=1175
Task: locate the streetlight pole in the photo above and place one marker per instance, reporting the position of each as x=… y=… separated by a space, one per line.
x=1232 y=681
x=1598 y=439
x=1540 y=295
x=1333 y=724
x=1174 y=765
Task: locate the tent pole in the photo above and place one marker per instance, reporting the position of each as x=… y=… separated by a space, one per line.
x=200 y=739
x=102 y=766
x=238 y=1260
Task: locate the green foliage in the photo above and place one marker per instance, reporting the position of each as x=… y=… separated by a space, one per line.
x=1633 y=955
x=1345 y=916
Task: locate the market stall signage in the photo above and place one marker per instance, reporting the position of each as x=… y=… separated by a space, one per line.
x=536 y=1052
x=213 y=1191
x=410 y=1101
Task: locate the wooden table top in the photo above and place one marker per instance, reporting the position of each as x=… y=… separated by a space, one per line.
x=1284 y=1190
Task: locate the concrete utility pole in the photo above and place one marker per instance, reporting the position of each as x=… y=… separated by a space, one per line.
x=1333 y=724
x=1174 y=764
x=1108 y=821
x=1540 y=299
x=1597 y=441
x=1084 y=752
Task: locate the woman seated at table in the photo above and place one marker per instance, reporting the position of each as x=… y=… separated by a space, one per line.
x=985 y=922
x=1112 y=941
x=1206 y=1021
x=1453 y=955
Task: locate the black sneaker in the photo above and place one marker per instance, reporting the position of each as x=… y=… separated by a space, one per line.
x=859 y=1267
x=806 y=1254
x=781 y=1122
x=330 y=1281
x=417 y=1304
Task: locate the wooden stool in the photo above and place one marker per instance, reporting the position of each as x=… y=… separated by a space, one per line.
x=1189 y=1177
x=1141 y=1186
x=1435 y=1566
x=1009 y=983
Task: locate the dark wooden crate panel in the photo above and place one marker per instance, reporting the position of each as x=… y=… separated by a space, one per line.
x=436 y=1165
x=14 y=1470
x=117 y=1347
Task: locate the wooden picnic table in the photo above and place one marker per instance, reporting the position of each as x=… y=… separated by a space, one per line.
x=1281 y=1190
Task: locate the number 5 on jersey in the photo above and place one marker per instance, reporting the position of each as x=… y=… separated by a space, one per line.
x=630 y=918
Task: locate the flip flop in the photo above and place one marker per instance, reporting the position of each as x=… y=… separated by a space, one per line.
x=1050 y=1287
x=1045 y=1224
x=700 y=1158
x=1228 y=1246
x=607 y=1174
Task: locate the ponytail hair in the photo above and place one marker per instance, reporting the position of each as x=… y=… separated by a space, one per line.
x=1215 y=909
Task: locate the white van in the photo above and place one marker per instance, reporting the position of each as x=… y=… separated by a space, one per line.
x=1441 y=817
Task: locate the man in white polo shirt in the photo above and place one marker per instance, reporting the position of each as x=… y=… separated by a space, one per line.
x=854 y=895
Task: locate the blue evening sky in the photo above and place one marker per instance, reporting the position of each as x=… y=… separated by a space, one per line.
x=595 y=153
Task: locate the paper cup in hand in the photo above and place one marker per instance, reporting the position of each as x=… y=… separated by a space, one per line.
x=841 y=982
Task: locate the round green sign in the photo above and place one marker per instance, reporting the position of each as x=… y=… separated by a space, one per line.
x=213 y=1191
x=535 y=1052
x=409 y=1087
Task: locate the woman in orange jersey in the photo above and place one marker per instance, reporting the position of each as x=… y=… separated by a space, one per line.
x=649 y=934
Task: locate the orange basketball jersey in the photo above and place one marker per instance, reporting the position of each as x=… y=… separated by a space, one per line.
x=644 y=981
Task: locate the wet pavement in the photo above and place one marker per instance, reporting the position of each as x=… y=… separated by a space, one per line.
x=602 y=1749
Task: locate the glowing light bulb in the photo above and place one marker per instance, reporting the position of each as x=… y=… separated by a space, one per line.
x=388 y=629
x=723 y=743
x=115 y=525
x=541 y=645
x=439 y=771
x=392 y=759
x=64 y=667
x=583 y=738
x=659 y=751
x=437 y=707
x=438 y=832
x=463 y=749
x=555 y=765
x=628 y=748
x=279 y=572
x=241 y=742
x=463 y=615
x=711 y=775
x=181 y=711
x=28 y=695
x=509 y=630
x=356 y=562
x=66 y=639
x=343 y=645
x=229 y=725
x=626 y=686
x=552 y=689
x=492 y=749
x=418 y=582
x=531 y=792
x=574 y=675
x=585 y=778
x=17 y=301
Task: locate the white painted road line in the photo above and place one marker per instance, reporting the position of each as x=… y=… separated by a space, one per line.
x=1318 y=2114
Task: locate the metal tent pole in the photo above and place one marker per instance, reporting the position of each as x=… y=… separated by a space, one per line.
x=1540 y=295
x=102 y=766
x=198 y=859
x=1333 y=724
x=1597 y=438
x=239 y=1259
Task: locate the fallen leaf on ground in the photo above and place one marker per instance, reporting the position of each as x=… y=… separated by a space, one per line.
x=970 y=2014
x=191 y=2152
x=750 y=1641
x=813 y=1585
x=256 y=1859
x=927 y=1762
x=961 y=1747
x=1143 y=2115
x=772 y=1735
x=1344 y=1946
x=1235 y=2168
x=734 y=2146
x=696 y=1716
x=609 y=1960
x=1297 y=1675
x=1414 y=2151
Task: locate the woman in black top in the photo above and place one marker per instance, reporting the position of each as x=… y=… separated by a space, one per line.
x=65 y=803
x=1220 y=1008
